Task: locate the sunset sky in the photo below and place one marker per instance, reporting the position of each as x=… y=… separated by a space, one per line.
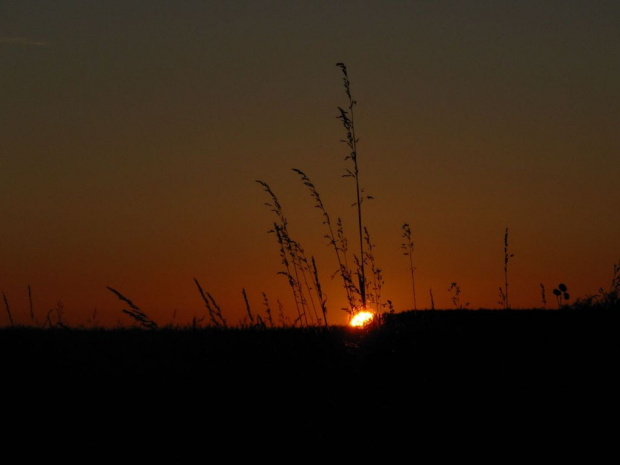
x=132 y=134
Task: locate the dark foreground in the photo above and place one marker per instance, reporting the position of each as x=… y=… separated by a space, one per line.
x=440 y=382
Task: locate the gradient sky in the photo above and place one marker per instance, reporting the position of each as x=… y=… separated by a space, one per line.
x=132 y=134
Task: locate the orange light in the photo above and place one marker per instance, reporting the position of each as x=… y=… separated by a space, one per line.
x=362 y=318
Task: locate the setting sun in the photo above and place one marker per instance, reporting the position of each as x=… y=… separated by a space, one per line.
x=361 y=318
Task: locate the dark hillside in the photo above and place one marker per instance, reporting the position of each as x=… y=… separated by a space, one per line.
x=421 y=374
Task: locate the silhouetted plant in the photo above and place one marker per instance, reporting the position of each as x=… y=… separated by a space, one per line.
x=196 y=322
x=322 y=298
x=287 y=250
x=284 y=322
x=337 y=242
x=561 y=293
x=407 y=246
x=268 y=310
x=173 y=320
x=92 y=320
x=503 y=293
x=256 y=323
x=297 y=266
x=30 y=304
x=373 y=290
x=430 y=291
x=611 y=298
x=543 y=296
x=353 y=291
x=303 y=269
x=214 y=310
x=134 y=312
x=604 y=299
x=247 y=307
x=293 y=282
x=347 y=118
x=615 y=281
x=456 y=297
x=293 y=257
x=58 y=311
x=8 y=308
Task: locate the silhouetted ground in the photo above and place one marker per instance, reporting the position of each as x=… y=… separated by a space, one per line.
x=450 y=382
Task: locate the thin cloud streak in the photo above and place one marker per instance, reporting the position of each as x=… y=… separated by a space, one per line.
x=23 y=41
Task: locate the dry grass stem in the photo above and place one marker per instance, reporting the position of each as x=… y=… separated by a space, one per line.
x=8 y=308
x=135 y=312
x=215 y=312
x=407 y=246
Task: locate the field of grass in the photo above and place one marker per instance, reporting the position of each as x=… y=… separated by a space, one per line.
x=460 y=381
x=420 y=376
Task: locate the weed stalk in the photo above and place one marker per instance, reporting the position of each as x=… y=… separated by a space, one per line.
x=347 y=118
x=407 y=246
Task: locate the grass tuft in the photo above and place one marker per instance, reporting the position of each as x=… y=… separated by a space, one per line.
x=339 y=244
x=135 y=312
x=214 y=310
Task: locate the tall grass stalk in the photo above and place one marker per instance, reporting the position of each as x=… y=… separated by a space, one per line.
x=290 y=271
x=353 y=293
x=283 y=319
x=309 y=283
x=374 y=288
x=268 y=310
x=322 y=298
x=247 y=307
x=8 y=308
x=292 y=281
x=214 y=310
x=337 y=242
x=347 y=118
x=298 y=270
x=503 y=293
x=407 y=246
x=30 y=303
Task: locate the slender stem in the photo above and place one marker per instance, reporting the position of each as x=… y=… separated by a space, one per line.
x=359 y=211
x=506 y=303
x=352 y=142
x=415 y=305
x=342 y=265
x=8 y=308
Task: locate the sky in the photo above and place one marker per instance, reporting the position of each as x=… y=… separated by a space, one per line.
x=132 y=134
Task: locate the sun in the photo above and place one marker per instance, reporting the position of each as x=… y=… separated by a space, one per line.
x=362 y=318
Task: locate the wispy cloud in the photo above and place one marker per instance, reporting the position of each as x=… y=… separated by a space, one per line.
x=25 y=41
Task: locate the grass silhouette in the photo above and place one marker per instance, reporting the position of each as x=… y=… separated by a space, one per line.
x=302 y=273
x=347 y=118
x=407 y=246
x=267 y=383
x=310 y=389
